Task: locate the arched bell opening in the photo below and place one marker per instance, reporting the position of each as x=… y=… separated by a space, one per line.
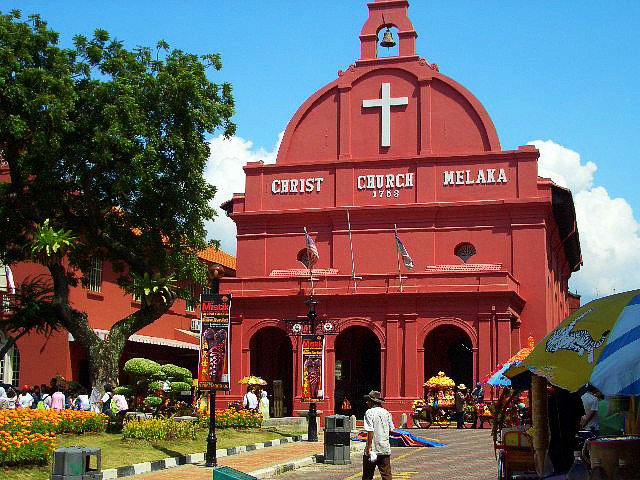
x=388 y=44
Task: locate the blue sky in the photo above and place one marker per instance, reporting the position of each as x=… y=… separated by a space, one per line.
x=546 y=70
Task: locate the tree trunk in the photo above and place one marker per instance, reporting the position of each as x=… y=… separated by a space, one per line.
x=103 y=364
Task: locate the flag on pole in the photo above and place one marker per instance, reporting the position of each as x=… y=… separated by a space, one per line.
x=11 y=286
x=309 y=256
x=406 y=259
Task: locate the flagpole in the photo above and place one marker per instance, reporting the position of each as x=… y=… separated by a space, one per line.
x=309 y=261
x=353 y=263
x=395 y=230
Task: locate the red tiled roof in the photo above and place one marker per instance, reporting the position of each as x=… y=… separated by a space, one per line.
x=218 y=256
x=303 y=272
x=467 y=267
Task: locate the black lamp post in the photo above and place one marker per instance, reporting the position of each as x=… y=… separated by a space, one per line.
x=312 y=427
x=215 y=273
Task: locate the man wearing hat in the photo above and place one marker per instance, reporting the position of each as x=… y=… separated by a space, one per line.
x=377 y=424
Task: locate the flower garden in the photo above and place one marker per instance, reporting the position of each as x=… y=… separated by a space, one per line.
x=29 y=436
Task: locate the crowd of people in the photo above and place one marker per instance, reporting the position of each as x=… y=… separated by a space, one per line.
x=251 y=402
x=57 y=397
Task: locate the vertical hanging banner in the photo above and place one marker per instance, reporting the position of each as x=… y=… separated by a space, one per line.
x=312 y=368
x=213 y=367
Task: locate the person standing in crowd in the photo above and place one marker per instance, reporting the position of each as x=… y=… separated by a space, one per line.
x=45 y=402
x=590 y=401
x=106 y=399
x=95 y=400
x=460 y=398
x=25 y=400
x=477 y=395
x=377 y=423
x=37 y=396
x=57 y=400
x=12 y=399
x=264 y=406
x=250 y=400
x=4 y=401
x=121 y=404
x=82 y=401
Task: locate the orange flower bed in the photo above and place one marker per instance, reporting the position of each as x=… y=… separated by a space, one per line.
x=28 y=436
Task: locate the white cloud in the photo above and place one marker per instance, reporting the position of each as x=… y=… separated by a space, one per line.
x=224 y=170
x=609 y=232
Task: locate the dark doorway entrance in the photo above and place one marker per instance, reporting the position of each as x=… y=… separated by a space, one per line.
x=271 y=356
x=448 y=349
x=357 y=370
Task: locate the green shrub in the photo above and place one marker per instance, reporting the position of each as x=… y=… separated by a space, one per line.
x=156 y=386
x=153 y=401
x=142 y=367
x=127 y=391
x=177 y=374
x=160 y=429
x=178 y=387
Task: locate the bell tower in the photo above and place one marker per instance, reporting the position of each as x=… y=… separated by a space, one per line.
x=384 y=14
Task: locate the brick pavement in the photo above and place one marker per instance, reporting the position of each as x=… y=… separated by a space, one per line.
x=467 y=456
x=245 y=462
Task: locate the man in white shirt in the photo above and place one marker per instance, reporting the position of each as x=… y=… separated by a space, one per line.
x=377 y=424
x=590 y=401
x=250 y=400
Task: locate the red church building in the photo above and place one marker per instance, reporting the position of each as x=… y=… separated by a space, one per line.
x=392 y=141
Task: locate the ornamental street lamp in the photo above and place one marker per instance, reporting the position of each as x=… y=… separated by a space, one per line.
x=215 y=273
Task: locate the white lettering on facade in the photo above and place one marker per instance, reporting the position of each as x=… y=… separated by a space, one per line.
x=400 y=180
x=390 y=179
x=371 y=182
x=295 y=185
x=465 y=177
x=386 y=185
x=409 y=178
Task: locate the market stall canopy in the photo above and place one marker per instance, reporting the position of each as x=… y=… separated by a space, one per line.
x=497 y=378
x=597 y=344
x=252 y=380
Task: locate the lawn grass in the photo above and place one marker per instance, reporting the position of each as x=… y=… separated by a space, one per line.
x=118 y=452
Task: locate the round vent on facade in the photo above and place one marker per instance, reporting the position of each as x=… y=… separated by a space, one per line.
x=465 y=251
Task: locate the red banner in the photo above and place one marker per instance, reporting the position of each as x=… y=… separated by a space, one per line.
x=312 y=368
x=213 y=367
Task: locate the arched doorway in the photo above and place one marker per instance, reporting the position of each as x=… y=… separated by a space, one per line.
x=271 y=355
x=448 y=348
x=357 y=368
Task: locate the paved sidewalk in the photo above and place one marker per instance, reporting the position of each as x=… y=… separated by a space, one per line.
x=468 y=455
x=245 y=462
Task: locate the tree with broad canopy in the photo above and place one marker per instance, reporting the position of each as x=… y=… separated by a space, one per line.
x=106 y=149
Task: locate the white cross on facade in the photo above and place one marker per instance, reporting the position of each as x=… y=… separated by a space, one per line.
x=386 y=102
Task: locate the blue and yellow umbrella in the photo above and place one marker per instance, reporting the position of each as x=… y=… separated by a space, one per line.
x=597 y=344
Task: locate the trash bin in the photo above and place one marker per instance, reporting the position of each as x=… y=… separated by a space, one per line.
x=337 y=440
x=228 y=473
x=74 y=463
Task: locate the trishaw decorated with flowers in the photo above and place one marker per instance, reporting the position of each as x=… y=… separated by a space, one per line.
x=437 y=406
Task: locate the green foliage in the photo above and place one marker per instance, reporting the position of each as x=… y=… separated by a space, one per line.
x=155 y=386
x=153 y=401
x=125 y=390
x=178 y=374
x=142 y=367
x=178 y=387
x=50 y=245
x=147 y=286
x=106 y=148
x=151 y=430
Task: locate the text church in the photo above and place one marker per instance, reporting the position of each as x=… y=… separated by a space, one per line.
x=392 y=141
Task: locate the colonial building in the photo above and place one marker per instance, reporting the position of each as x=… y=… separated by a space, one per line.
x=170 y=339
x=392 y=141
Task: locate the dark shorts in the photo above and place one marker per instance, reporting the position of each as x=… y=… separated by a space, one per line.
x=383 y=462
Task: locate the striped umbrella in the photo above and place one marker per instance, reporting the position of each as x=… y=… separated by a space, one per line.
x=497 y=378
x=597 y=344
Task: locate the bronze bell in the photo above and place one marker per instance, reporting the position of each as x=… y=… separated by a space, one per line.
x=387 y=40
